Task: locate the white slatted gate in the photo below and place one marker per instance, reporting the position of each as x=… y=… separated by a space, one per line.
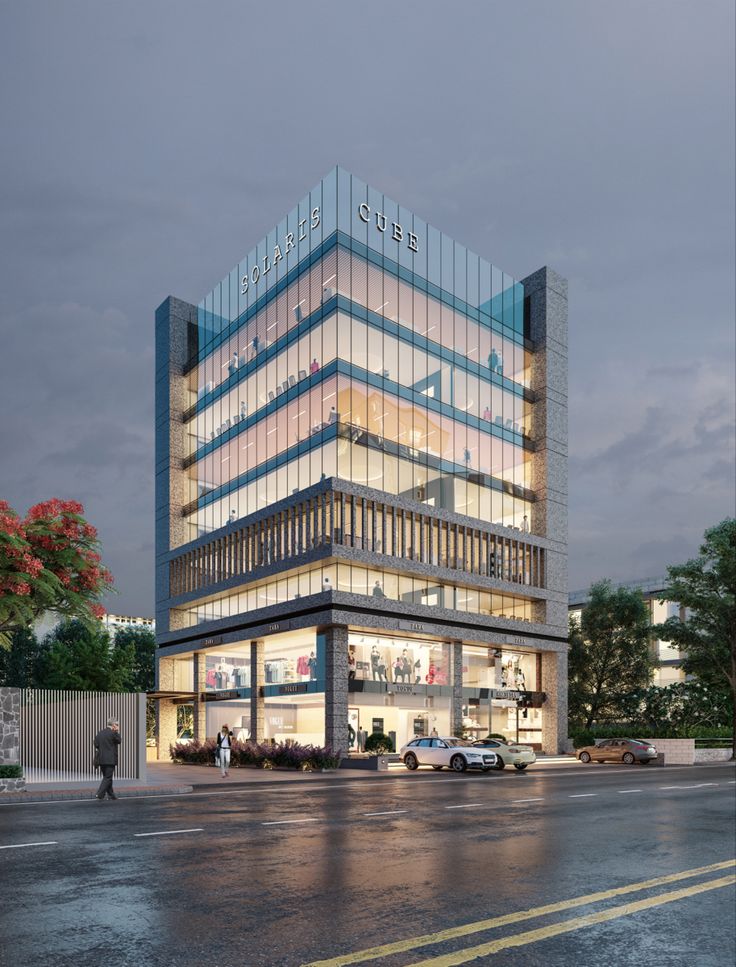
x=57 y=730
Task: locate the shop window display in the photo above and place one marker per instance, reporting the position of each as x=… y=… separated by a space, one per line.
x=227 y=671
x=398 y=661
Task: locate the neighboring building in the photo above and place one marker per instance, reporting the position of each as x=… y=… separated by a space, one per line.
x=111 y=623
x=668 y=658
x=114 y=621
x=361 y=487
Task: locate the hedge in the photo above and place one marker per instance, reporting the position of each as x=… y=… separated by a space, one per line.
x=289 y=755
x=14 y=771
x=634 y=730
x=378 y=743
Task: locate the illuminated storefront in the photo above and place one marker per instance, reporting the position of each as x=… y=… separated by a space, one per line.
x=361 y=485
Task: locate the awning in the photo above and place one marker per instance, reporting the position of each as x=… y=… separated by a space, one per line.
x=187 y=696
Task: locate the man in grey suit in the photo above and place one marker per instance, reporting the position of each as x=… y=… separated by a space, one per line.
x=106 y=753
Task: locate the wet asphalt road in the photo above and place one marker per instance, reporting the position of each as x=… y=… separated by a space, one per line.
x=290 y=874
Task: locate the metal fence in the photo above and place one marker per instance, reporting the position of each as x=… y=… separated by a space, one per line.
x=57 y=730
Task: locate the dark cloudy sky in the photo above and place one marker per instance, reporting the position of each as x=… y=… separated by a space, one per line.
x=147 y=146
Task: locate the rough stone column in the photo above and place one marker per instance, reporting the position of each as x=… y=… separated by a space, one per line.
x=546 y=295
x=554 y=710
x=9 y=726
x=257 y=681
x=456 y=704
x=176 y=323
x=165 y=709
x=335 y=639
x=200 y=685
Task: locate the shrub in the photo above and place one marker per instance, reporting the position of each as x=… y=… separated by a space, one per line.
x=378 y=744
x=581 y=739
x=289 y=755
x=14 y=771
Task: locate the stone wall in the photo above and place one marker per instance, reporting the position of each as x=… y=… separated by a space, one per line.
x=12 y=785
x=10 y=736
x=712 y=755
x=677 y=752
x=9 y=726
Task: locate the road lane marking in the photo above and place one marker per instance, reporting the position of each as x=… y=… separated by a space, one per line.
x=170 y=832
x=700 y=785
x=289 y=822
x=567 y=926
x=583 y=795
x=622 y=792
x=51 y=842
x=387 y=812
x=467 y=805
x=526 y=800
x=452 y=933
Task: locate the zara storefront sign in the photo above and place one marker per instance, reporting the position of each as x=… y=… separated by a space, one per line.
x=381 y=222
x=407 y=690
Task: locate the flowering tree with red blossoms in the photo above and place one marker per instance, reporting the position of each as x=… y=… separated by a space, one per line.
x=49 y=562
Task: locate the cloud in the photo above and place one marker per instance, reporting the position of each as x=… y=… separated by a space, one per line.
x=134 y=171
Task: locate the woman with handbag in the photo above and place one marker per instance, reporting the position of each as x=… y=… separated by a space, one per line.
x=224 y=745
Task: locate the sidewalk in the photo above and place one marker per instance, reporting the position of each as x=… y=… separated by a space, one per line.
x=171 y=779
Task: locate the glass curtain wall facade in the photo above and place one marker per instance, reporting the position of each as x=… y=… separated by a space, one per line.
x=355 y=343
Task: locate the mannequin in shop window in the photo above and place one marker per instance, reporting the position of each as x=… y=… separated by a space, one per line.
x=312 y=663
x=398 y=670
x=406 y=666
x=352 y=664
x=417 y=671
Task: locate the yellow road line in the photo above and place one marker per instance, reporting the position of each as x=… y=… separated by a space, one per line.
x=400 y=946
x=555 y=929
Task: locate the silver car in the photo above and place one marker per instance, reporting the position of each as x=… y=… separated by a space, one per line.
x=628 y=751
x=446 y=752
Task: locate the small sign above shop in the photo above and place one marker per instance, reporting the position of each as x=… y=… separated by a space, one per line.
x=220 y=696
x=296 y=688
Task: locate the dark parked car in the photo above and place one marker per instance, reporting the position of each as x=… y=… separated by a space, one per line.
x=618 y=750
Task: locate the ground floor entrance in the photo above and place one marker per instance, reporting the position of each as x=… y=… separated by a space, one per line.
x=338 y=685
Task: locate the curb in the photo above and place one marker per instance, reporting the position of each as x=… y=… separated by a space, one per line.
x=54 y=795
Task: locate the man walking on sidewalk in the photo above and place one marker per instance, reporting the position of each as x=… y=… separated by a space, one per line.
x=106 y=755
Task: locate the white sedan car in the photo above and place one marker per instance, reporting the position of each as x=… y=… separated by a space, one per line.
x=509 y=754
x=447 y=752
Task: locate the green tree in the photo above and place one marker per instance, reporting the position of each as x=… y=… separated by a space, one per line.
x=706 y=587
x=609 y=655
x=22 y=661
x=80 y=657
x=143 y=642
x=49 y=562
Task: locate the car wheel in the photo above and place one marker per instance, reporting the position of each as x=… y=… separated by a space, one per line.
x=437 y=768
x=520 y=766
x=629 y=758
x=410 y=761
x=458 y=763
x=500 y=764
x=585 y=756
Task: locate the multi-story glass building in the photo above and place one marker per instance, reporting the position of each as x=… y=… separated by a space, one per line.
x=361 y=487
